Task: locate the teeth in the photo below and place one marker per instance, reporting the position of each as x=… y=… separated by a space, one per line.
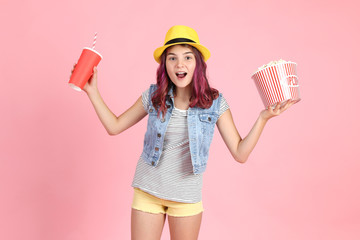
x=181 y=73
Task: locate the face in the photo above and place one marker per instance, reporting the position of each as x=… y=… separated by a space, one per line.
x=180 y=65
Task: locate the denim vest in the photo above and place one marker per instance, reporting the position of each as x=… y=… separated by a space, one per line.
x=201 y=125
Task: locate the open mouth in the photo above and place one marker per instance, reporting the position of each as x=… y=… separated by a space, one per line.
x=181 y=74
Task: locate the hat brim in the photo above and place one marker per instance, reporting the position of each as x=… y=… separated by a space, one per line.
x=204 y=51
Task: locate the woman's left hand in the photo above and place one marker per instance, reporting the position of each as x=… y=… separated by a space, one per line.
x=269 y=112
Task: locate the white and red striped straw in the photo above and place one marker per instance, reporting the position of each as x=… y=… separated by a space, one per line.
x=94 y=42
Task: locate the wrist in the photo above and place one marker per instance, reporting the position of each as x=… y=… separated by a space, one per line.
x=91 y=92
x=263 y=119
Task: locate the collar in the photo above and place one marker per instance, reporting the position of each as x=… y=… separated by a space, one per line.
x=171 y=92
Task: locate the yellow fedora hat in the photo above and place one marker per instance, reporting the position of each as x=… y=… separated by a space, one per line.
x=180 y=34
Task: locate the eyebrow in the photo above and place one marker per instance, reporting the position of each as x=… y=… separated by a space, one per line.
x=183 y=53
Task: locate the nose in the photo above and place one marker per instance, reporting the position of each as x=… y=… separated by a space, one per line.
x=179 y=63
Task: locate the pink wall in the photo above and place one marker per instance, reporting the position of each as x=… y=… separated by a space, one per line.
x=63 y=178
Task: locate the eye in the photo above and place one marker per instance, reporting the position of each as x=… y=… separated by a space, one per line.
x=188 y=57
x=171 y=58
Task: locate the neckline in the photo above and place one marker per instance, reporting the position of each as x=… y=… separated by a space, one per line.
x=181 y=110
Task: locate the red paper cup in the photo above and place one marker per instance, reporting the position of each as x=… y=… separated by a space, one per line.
x=84 y=68
x=277 y=83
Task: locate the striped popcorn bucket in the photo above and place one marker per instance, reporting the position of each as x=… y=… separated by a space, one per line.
x=277 y=83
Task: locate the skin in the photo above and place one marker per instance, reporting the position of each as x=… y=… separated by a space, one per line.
x=181 y=59
x=147 y=226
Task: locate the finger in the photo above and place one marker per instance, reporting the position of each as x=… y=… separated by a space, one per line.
x=292 y=102
x=286 y=104
x=277 y=107
x=295 y=101
x=273 y=107
x=269 y=108
x=73 y=67
x=95 y=72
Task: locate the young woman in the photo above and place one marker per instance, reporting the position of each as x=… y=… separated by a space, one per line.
x=182 y=113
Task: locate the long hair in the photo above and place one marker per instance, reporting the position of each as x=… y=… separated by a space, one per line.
x=202 y=95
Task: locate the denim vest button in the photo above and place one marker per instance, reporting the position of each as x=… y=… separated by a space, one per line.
x=151 y=110
x=153 y=163
x=162 y=120
x=209 y=118
x=156 y=149
x=159 y=135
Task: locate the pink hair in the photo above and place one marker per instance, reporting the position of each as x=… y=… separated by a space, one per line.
x=202 y=94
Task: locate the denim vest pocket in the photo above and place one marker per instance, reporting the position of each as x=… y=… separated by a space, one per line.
x=207 y=126
x=208 y=119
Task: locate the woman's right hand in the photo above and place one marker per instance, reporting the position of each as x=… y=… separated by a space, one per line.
x=91 y=84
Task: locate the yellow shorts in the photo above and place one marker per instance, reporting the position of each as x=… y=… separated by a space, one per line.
x=148 y=203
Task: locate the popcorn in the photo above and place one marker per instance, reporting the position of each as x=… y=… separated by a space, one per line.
x=276 y=82
x=272 y=63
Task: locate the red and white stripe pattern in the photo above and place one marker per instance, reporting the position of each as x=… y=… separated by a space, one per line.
x=94 y=42
x=277 y=83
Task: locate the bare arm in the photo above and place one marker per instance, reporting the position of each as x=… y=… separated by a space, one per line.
x=113 y=124
x=241 y=148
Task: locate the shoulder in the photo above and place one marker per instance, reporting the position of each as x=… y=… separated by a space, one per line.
x=222 y=100
x=153 y=87
x=220 y=104
x=219 y=99
x=147 y=95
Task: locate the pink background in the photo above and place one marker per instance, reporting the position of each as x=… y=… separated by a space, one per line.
x=62 y=177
